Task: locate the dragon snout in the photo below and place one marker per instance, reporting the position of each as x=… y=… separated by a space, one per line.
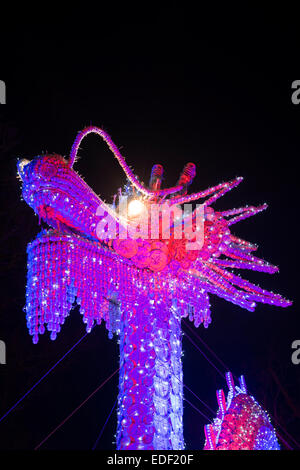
x=21 y=167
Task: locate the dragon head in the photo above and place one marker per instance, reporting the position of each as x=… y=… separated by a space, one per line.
x=58 y=195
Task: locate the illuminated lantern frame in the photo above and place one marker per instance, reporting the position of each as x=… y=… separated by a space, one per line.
x=140 y=287
x=241 y=423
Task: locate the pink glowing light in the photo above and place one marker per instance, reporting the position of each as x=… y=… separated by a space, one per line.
x=241 y=423
x=141 y=288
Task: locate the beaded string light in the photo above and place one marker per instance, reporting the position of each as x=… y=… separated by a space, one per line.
x=140 y=287
x=241 y=423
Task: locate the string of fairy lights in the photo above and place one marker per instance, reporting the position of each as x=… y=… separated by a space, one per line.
x=204 y=416
x=141 y=284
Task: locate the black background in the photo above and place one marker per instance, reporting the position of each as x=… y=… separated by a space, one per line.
x=170 y=85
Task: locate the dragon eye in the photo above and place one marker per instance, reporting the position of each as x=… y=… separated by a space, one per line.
x=47 y=170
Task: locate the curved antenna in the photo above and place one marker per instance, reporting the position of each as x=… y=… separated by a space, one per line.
x=128 y=172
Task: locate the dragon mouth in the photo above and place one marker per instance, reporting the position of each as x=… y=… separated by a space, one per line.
x=63 y=191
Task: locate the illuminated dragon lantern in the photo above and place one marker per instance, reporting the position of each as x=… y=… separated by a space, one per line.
x=140 y=269
x=241 y=423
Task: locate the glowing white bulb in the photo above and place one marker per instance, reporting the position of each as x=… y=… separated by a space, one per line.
x=135 y=208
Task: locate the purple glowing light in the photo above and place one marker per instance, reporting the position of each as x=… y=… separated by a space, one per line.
x=241 y=423
x=142 y=301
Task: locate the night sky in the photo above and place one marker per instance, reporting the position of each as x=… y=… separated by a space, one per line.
x=169 y=88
